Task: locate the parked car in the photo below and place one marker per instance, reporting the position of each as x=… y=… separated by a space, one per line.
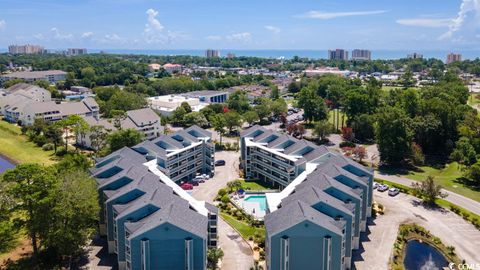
x=194 y=183
x=206 y=176
x=393 y=192
x=375 y=185
x=220 y=162
x=199 y=179
x=382 y=188
x=186 y=186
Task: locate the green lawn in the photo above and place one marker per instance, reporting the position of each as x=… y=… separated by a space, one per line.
x=255 y=185
x=450 y=177
x=16 y=147
x=243 y=228
x=474 y=99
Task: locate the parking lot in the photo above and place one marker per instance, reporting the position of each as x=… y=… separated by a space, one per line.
x=377 y=244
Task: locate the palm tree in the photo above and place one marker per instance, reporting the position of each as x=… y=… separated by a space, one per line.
x=213 y=256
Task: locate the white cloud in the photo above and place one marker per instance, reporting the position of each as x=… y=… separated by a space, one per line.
x=59 y=36
x=39 y=36
x=214 y=37
x=3 y=24
x=467 y=23
x=273 y=29
x=244 y=37
x=153 y=24
x=323 y=15
x=113 y=39
x=425 y=22
x=87 y=35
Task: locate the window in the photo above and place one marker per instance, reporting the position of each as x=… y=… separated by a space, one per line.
x=285 y=252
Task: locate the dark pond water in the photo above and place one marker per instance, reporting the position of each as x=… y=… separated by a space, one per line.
x=421 y=256
x=5 y=164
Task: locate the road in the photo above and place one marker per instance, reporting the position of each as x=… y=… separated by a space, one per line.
x=238 y=254
x=452 y=197
x=376 y=246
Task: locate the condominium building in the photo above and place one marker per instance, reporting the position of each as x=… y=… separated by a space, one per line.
x=315 y=221
x=415 y=56
x=453 y=57
x=24 y=103
x=212 y=53
x=338 y=54
x=149 y=221
x=76 y=51
x=361 y=55
x=25 y=49
x=50 y=76
x=145 y=121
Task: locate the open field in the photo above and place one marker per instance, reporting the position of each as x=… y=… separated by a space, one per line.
x=243 y=228
x=332 y=117
x=17 y=148
x=474 y=99
x=449 y=177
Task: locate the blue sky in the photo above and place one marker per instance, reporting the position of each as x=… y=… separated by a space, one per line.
x=242 y=24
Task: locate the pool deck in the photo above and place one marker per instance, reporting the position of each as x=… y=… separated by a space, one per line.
x=251 y=208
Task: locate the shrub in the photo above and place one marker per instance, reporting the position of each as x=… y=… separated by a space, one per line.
x=61 y=151
x=48 y=147
x=222 y=192
x=40 y=140
x=347 y=144
x=225 y=199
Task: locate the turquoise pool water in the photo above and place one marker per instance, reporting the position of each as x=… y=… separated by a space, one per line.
x=260 y=199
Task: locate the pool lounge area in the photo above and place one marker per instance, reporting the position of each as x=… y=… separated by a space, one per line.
x=254 y=204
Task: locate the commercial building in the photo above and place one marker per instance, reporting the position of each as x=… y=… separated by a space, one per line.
x=361 y=55
x=149 y=221
x=208 y=96
x=165 y=105
x=415 y=56
x=338 y=54
x=327 y=70
x=154 y=67
x=24 y=103
x=25 y=49
x=172 y=68
x=315 y=221
x=50 y=76
x=454 y=57
x=145 y=121
x=76 y=51
x=212 y=53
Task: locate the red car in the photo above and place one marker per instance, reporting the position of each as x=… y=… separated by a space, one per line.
x=186 y=186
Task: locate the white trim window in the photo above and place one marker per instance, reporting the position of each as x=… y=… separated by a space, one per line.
x=188 y=254
x=327 y=252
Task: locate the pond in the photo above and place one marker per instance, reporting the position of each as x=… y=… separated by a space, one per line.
x=422 y=256
x=5 y=164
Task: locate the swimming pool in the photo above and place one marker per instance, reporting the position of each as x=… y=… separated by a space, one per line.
x=260 y=199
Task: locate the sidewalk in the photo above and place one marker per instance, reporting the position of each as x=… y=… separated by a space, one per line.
x=452 y=197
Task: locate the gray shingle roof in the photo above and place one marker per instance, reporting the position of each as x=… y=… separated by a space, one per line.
x=297 y=212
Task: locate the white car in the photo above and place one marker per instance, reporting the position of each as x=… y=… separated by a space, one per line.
x=375 y=185
x=382 y=188
x=393 y=192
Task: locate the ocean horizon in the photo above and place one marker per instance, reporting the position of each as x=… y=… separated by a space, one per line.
x=288 y=54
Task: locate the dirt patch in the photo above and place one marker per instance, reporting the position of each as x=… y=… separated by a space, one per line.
x=24 y=248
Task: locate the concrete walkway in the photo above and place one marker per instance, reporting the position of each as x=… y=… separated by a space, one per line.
x=377 y=243
x=238 y=254
x=452 y=197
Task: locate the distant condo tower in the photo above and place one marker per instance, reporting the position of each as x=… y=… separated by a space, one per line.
x=25 y=49
x=361 y=55
x=338 y=54
x=76 y=51
x=415 y=56
x=212 y=53
x=230 y=55
x=454 y=57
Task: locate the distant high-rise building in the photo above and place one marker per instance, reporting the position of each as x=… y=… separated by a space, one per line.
x=212 y=53
x=76 y=51
x=361 y=55
x=454 y=57
x=25 y=49
x=338 y=54
x=415 y=56
x=230 y=55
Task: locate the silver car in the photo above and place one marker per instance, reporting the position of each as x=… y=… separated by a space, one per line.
x=393 y=192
